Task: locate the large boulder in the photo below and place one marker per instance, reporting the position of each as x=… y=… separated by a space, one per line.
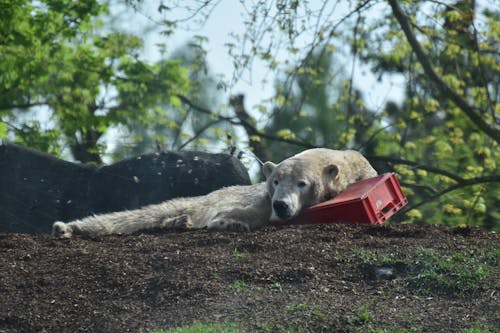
x=37 y=189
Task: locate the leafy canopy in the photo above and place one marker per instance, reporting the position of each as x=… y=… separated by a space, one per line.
x=56 y=60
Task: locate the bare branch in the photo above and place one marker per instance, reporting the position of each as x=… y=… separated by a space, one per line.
x=201 y=109
x=237 y=102
x=199 y=133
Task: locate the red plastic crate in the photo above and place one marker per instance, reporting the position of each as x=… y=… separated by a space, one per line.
x=370 y=201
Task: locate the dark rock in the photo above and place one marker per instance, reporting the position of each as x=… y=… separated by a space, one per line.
x=37 y=189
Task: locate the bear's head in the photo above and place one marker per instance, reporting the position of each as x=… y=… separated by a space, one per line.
x=301 y=181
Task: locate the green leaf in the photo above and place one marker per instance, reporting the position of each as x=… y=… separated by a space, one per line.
x=3 y=129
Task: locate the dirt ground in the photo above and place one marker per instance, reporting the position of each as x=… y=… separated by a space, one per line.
x=301 y=278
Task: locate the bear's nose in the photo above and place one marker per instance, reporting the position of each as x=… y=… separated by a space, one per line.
x=281 y=209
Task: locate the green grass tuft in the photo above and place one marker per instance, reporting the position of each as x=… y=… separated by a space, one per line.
x=238 y=285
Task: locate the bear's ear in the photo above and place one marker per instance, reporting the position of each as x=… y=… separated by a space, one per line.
x=332 y=171
x=268 y=168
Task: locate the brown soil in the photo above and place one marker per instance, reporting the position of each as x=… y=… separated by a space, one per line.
x=303 y=278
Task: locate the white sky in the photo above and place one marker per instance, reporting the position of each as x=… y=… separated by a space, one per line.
x=226 y=19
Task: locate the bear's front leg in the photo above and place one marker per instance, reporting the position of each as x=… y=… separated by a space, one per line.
x=181 y=222
x=228 y=224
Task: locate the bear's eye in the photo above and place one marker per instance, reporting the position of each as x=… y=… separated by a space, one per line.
x=276 y=182
x=301 y=184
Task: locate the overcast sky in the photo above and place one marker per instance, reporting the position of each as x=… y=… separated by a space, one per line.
x=227 y=19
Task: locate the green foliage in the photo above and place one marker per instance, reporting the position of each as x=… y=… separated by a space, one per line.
x=3 y=129
x=319 y=106
x=362 y=317
x=478 y=329
x=304 y=317
x=170 y=125
x=432 y=130
x=55 y=61
x=238 y=285
x=202 y=328
x=239 y=256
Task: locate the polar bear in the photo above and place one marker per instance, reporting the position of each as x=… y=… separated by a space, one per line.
x=305 y=179
x=312 y=177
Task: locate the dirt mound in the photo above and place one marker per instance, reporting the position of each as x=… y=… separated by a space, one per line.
x=331 y=278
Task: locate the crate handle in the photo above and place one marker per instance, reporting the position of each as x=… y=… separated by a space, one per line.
x=387 y=208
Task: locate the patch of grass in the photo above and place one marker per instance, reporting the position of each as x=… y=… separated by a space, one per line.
x=432 y=271
x=298 y=307
x=238 y=285
x=264 y=327
x=364 y=321
x=239 y=256
x=202 y=328
x=304 y=317
x=370 y=256
x=479 y=329
x=458 y=273
x=362 y=317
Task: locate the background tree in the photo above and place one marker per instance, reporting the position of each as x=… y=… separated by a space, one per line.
x=83 y=82
x=319 y=106
x=177 y=127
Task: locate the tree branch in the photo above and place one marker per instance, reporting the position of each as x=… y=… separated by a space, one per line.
x=464 y=183
x=417 y=165
x=21 y=106
x=258 y=148
x=198 y=108
x=199 y=133
x=474 y=115
x=247 y=125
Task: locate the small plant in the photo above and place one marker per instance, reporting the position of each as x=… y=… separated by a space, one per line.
x=238 y=285
x=365 y=256
x=277 y=286
x=362 y=317
x=264 y=327
x=298 y=307
x=238 y=256
x=215 y=275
